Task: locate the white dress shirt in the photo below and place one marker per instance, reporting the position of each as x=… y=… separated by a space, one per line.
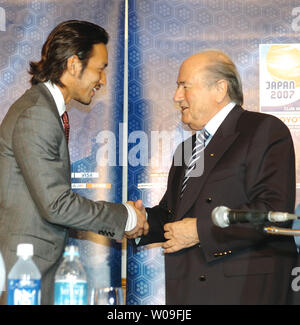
x=214 y=123
x=61 y=107
x=57 y=96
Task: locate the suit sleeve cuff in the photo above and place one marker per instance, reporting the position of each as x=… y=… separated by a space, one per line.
x=132 y=219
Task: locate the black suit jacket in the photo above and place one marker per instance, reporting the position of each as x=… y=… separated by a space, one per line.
x=248 y=164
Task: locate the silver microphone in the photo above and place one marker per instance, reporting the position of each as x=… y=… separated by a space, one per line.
x=223 y=216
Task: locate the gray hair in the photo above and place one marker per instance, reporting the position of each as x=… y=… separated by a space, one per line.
x=222 y=67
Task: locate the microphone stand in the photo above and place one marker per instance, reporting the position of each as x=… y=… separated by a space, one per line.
x=282 y=231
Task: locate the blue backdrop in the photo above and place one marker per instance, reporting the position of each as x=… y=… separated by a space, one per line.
x=162 y=33
x=24 y=26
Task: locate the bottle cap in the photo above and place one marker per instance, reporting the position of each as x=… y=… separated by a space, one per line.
x=71 y=251
x=25 y=250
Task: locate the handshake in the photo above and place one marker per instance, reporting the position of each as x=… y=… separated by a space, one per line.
x=178 y=234
x=142 y=226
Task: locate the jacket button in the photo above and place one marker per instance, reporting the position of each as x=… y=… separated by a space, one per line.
x=202 y=278
x=209 y=200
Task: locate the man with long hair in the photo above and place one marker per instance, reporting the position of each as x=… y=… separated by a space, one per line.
x=37 y=204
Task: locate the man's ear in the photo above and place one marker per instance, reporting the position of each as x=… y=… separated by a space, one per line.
x=221 y=90
x=73 y=65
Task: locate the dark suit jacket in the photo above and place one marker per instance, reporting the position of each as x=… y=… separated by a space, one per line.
x=248 y=164
x=37 y=204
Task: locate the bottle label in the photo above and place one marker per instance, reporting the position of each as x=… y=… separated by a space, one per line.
x=24 y=292
x=70 y=293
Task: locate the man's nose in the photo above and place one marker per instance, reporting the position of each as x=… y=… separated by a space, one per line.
x=102 y=80
x=179 y=95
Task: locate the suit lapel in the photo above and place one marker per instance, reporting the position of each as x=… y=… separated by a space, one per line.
x=180 y=170
x=52 y=105
x=219 y=144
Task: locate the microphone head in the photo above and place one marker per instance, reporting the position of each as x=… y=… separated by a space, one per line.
x=219 y=216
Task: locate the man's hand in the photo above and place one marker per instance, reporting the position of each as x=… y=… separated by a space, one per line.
x=142 y=226
x=180 y=234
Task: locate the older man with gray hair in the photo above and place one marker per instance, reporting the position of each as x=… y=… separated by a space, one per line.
x=249 y=164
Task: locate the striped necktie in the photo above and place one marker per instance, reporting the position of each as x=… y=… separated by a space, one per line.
x=65 y=119
x=199 y=145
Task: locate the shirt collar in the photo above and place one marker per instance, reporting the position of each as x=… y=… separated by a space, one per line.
x=214 y=123
x=57 y=96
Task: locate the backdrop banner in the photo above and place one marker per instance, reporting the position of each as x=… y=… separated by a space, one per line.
x=24 y=26
x=162 y=33
x=257 y=35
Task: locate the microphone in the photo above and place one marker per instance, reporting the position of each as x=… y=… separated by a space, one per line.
x=223 y=216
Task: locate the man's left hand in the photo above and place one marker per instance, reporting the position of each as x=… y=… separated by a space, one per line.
x=180 y=234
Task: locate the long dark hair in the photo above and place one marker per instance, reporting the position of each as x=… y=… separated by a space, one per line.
x=72 y=37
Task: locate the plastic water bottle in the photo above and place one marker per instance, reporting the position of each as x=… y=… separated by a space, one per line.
x=2 y=274
x=70 y=287
x=24 y=279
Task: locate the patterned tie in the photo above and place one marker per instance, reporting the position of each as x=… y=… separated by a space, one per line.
x=199 y=145
x=65 y=119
